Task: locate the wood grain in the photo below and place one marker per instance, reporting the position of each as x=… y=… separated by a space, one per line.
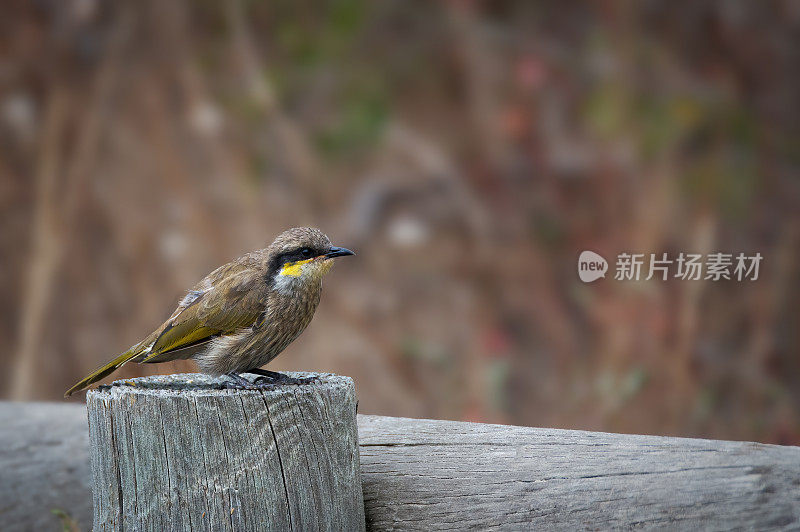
x=444 y=475
x=425 y=474
x=179 y=453
x=44 y=466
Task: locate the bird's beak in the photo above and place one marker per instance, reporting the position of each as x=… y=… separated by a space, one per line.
x=338 y=252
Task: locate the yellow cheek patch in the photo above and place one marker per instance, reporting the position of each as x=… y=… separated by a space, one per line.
x=294 y=269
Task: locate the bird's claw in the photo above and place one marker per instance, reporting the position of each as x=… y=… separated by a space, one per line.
x=282 y=379
x=238 y=382
x=249 y=386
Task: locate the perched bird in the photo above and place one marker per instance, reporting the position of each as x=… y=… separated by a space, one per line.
x=243 y=314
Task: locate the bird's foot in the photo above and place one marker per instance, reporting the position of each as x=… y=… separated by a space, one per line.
x=237 y=382
x=283 y=379
x=267 y=377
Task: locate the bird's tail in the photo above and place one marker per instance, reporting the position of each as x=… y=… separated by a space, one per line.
x=105 y=370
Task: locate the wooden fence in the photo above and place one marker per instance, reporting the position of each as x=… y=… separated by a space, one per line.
x=427 y=474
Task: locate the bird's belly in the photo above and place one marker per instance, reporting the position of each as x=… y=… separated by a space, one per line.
x=245 y=350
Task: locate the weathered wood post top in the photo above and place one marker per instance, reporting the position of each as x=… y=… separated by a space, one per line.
x=180 y=452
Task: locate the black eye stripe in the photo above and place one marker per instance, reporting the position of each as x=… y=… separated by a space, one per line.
x=298 y=254
x=293 y=255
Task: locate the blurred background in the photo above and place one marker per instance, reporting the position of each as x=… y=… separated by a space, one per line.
x=468 y=151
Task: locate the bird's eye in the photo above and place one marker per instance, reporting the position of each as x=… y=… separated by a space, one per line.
x=306 y=252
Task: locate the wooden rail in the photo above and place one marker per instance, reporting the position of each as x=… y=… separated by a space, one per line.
x=425 y=474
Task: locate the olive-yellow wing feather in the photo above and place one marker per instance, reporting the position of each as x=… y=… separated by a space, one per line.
x=229 y=305
x=227 y=300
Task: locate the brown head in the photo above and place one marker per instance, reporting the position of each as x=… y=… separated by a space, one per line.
x=300 y=257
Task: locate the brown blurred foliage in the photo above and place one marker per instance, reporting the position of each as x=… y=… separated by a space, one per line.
x=469 y=151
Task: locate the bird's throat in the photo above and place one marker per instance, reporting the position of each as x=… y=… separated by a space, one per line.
x=301 y=275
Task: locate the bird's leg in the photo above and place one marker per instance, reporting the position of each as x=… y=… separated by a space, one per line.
x=239 y=382
x=273 y=377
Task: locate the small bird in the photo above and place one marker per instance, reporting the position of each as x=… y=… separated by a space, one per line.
x=243 y=314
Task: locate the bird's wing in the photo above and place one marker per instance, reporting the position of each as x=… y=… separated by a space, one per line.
x=222 y=303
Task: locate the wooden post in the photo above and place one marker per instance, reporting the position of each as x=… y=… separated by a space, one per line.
x=177 y=453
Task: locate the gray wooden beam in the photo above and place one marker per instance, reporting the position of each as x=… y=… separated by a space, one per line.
x=424 y=474
x=44 y=466
x=439 y=475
